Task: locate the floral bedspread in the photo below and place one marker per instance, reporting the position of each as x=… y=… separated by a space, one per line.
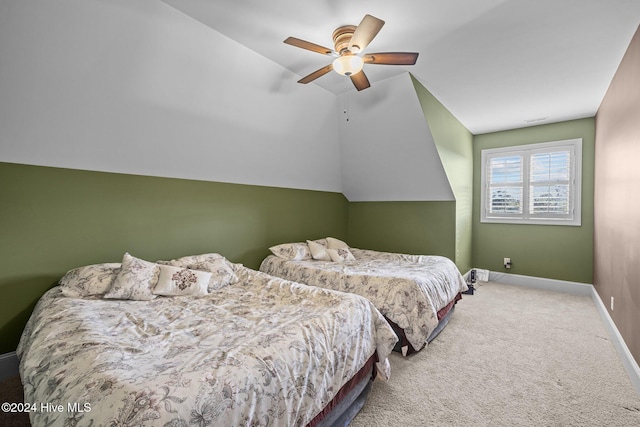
x=260 y=352
x=407 y=289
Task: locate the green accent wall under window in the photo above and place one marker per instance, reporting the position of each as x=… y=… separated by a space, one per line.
x=455 y=148
x=548 y=251
x=53 y=220
x=405 y=227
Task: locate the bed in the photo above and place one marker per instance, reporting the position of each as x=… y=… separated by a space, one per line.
x=416 y=293
x=246 y=349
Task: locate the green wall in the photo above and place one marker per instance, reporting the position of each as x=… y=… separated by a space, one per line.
x=548 y=251
x=455 y=148
x=405 y=227
x=52 y=220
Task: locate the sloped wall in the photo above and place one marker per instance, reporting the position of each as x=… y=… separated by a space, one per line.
x=455 y=148
x=139 y=87
x=407 y=170
x=387 y=152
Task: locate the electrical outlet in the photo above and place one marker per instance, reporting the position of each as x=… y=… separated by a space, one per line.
x=611 y=303
x=507 y=263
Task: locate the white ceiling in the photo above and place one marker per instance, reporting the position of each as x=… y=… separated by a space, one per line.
x=495 y=64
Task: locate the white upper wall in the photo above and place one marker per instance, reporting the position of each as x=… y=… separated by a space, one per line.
x=138 y=87
x=388 y=153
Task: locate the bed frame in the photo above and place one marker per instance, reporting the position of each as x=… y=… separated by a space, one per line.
x=444 y=315
x=349 y=400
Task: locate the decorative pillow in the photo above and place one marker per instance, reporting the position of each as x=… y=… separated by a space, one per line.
x=318 y=252
x=292 y=251
x=322 y=242
x=222 y=273
x=89 y=280
x=181 y=281
x=340 y=255
x=336 y=244
x=135 y=281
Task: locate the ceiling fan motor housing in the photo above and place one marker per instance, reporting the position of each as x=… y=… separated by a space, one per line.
x=342 y=36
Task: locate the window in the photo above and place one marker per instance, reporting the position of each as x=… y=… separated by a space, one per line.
x=532 y=184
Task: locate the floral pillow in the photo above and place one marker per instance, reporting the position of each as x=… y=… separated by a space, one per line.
x=222 y=273
x=340 y=255
x=181 y=281
x=89 y=280
x=135 y=281
x=194 y=258
x=292 y=251
x=318 y=251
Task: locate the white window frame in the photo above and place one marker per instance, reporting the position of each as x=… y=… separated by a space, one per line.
x=573 y=218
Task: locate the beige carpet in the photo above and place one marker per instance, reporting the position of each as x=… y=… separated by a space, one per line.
x=510 y=356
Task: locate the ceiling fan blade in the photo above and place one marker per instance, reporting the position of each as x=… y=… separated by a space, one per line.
x=308 y=45
x=318 y=73
x=360 y=80
x=364 y=33
x=391 y=58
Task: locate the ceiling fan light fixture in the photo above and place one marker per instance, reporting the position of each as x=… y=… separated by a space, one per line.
x=348 y=65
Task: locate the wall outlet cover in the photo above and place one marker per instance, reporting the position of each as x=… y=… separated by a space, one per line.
x=482 y=275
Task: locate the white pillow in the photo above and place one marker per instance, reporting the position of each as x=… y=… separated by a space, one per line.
x=135 y=281
x=336 y=244
x=341 y=255
x=322 y=241
x=181 y=281
x=221 y=271
x=291 y=251
x=318 y=252
x=95 y=279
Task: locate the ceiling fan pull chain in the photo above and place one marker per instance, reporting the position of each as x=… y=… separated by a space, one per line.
x=346 y=101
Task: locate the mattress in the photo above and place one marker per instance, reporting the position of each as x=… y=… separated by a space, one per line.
x=261 y=351
x=409 y=290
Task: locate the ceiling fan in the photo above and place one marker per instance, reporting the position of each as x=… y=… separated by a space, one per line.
x=350 y=42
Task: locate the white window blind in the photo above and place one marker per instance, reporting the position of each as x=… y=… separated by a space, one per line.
x=533 y=184
x=506 y=184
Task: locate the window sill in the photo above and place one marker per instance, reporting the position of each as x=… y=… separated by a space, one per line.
x=566 y=222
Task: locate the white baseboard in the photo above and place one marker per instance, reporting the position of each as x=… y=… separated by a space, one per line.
x=575 y=288
x=628 y=361
x=8 y=365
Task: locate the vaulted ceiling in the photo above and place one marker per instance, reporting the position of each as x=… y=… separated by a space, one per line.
x=495 y=64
